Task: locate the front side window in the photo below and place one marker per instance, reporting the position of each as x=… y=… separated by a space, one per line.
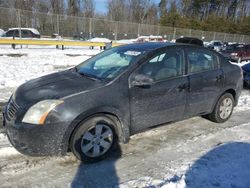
x=108 y=64
x=201 y=60
x=168 y=64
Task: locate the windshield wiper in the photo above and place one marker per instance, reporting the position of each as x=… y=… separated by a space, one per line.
x=93 y=77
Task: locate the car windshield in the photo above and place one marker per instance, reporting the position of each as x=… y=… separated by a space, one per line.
x=108 y=64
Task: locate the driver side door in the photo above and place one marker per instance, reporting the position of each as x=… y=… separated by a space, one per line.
x=164 y=100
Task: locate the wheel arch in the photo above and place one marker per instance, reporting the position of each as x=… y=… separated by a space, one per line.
x=122 y=125
x=228 y=90
x=231 y=91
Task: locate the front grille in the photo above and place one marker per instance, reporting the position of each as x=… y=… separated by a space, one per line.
x=12 y=109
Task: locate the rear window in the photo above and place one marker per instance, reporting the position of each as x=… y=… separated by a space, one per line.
x=201 y=60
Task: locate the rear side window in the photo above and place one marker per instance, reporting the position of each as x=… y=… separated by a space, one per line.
x=201 y=60
x=26 y=33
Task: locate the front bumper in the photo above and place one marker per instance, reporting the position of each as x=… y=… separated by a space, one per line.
x=35 y=140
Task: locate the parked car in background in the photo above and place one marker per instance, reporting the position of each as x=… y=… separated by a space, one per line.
x=22 y=33
x=215 y=45
x=120 y=92
x=1 y=32
x=150 y=38
x=237 y=52
x=190 y=40
x=246 y=74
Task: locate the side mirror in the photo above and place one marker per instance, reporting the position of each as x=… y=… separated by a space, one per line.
x=142 y=80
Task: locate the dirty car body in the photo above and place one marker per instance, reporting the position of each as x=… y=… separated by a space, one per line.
x=137 y=92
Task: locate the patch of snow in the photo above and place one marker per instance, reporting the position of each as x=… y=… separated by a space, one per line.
x=100 y=40
x=8 y=151
x=20 y=65
x=2 y=137
x=244 y=102
x=240 y=64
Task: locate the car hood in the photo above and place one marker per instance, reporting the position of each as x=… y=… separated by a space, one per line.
x=246 y=68
x=53 y=86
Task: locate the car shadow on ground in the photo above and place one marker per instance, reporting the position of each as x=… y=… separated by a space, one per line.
x=227 y=165
x=101 y=174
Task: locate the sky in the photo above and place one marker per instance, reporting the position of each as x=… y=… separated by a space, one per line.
x=101 y=5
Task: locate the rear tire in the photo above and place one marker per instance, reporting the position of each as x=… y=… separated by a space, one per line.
x=94 y=139
x=223 y=109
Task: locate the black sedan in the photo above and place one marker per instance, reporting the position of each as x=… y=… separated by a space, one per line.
x=246 y=73
x=122 y=91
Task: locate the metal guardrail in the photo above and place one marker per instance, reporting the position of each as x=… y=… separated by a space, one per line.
x=4 y=41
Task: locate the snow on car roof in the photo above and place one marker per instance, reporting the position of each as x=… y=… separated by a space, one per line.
x=35 y=31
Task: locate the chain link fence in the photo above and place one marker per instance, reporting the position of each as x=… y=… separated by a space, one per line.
x=86 y=28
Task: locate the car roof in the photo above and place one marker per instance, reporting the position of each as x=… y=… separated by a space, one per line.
x=35 y=31
x=149 y=46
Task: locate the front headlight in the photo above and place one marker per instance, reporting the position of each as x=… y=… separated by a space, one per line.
x=37 y=113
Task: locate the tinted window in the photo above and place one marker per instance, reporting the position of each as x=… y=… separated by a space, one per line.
x=26 y=33
x=166 y=65
x=201 y=60
x=10 y=33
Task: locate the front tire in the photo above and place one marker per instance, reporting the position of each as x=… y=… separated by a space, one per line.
x=94 y=139
x=223 y=109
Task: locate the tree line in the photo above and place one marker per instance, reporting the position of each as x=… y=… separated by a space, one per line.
x=232 y=16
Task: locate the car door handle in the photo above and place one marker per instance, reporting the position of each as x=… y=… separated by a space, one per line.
x=219 y=78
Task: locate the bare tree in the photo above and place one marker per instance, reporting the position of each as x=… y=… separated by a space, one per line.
x=116 y=10
x=24 y=4
x=152 y=15
x=163 y=7
x=57 y=6
x=88 y=8
x=139 y=9
x=73 y=7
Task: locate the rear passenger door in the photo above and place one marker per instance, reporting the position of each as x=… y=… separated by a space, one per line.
x=205 y=79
